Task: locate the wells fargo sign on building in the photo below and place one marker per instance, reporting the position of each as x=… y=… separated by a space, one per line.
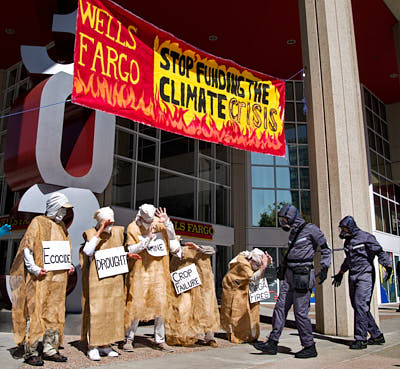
x=128 y=67
x=193 y=229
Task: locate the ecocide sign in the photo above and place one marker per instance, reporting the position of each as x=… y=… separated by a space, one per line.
x=111 y=262
x=56 y=255
x=185 y=279
x=258 y=291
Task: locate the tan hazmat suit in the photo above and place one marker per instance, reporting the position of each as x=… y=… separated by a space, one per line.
x=239 y=318
x=194 y=312
x=40 y=298
x=148 y=282
x=102 y=299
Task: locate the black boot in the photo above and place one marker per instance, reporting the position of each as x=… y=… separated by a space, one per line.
x=269 y=348
x=306 y=352
x=380 y=340
x=358 y=345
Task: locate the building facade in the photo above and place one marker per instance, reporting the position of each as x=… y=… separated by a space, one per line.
x=342 y=156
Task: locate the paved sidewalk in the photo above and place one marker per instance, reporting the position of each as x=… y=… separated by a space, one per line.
x=333 y=353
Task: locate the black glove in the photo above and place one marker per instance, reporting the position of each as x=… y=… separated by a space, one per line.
x=323 y=274
x=337 y=279
x=389 y=271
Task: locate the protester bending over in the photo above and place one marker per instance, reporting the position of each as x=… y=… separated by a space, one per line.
x=240 y=318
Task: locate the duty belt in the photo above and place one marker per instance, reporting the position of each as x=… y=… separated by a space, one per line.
x=298 y=261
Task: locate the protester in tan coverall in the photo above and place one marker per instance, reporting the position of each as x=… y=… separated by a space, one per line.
x=194 y=314
x=38 y=296
x=103 y=300
x=239 y=318
x=148 y=283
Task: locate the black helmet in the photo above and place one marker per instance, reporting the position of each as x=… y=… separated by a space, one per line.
x=287 y=216
x=349 y=223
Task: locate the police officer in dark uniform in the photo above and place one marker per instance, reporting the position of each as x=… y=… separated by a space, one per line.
x=361 y=248
x=298 y=279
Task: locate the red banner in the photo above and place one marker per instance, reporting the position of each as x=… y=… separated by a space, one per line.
x=128 y=67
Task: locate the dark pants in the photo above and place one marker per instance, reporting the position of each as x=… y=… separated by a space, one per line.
x=301 y=306
x=361 y=286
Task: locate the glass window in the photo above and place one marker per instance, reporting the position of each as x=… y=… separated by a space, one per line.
x=177 y=194
x=206 y=169
x=287 y=197
x=3 y=256
x=289 y=112
x=145 y=185
x=146 y=150
x=206 y=191
x=379 y=145
x=384 y=130
x=300 y=112
x=147 y=130
x=302 y=133
x=367 y=98
x=292 y=149
x=371 y=139
x=122 y=183
x=303 y=155
x=385 y=215
x=373 y=161
x=386 y=148
x=382 y=110
x=284 y=160
x=124 y=143
x=222 y=173
x=222 y=153
x=299 y=91
x=283 y=176
x=222 y=205
x=205 y=148
x=304 y=178
x=306 y=205
x=263 y=159
x=12 y=76
x=177 y=153
x=388 y=169
x=222 y=259
x=262 y=176
x=370 y=119
x=289 y=95
x=263 y=206
x=377 y=125
x=392 y=217
x=290 y=133
x=127 y=123
x=375 y=105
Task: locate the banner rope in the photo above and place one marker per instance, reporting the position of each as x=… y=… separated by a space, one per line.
x=71 y=100
x=32 y=109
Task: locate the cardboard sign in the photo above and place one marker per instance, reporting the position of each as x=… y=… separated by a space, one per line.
x=111 y=262
x=56 y=255
x=157 y=246
x=258 y=290
x=185 y=279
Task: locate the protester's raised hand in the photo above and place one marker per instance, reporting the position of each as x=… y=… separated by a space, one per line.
x=269 y=258
x=162 y=215
x=131 y=255
x=71 y=270
x=192 y=246
x=5 y=229
x=42 y=272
